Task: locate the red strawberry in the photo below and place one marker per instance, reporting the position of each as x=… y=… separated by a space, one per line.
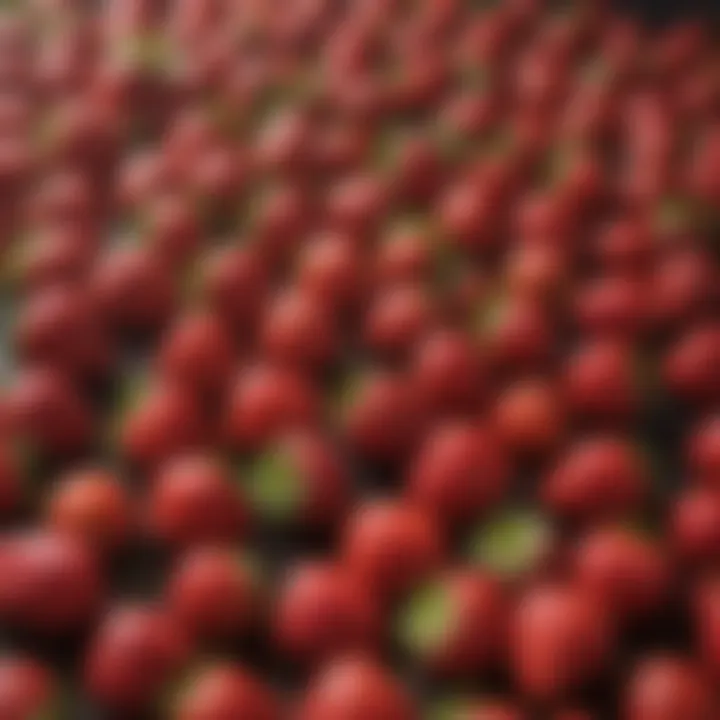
x=561 y=638
x=135 y=653
x=690 y=367
x=324 y=610
x=356 y=688
x=133 y=288
x=704 y=450
x=397 y=320
x=456 y=626
x=449 y=372
x=384 y=418
x=164 y=420
x=628 y=572
x=459 y=473
x=198 y=352
x=58 y=327
x=601 y=383
x=93 y=505
x=193 y=500
x=44 y=408
x=27 y=689
x=299 y=330
x=50 y=583
x=223 y=691
x=12 y=491
x=331 y=270
x=668 y=688
x=695 y=526
x=265 y=401
x=392 y=546
x=599 y=477
x=301 y=480
x=530 y=417
x=233 y=281
x=213 y=593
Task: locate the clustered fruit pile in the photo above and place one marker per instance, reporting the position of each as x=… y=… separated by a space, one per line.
x=365 y=362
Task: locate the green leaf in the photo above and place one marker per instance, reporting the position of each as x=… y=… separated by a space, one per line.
x=597 y=72
x=252 y=566
x=149 y=51
x=673 y=215
x=172 y=695
x=490 y=314
x=48 y=712
x=452 y=146
x=350 y=389
x=427 y=619
x=512 y=542
x=500 y=142
x=132 y=388
x=453 y=708
x=15 y=260
x=56 y=707
x=276 y=488
x=28 y=459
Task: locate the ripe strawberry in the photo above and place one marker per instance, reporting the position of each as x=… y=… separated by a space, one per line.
x=332 y=270
x=694 y=526
x=705 y=611
x=232 y=282
x=561 y=638
x=667 y=688
x=612 y=307
x=459 y=473
x=450 y=373
x=92 y=505
x=601 y=383
x=299 y=331
x=50 y=583
x=690 y=367
x=54 y=255
x=222 y=691
x=198 y=352
x=518 y=334
x=324 y=610
x=599 y=477
x=383 y=418
x=163 y=420
x=397 y=320
x=537 y=273
x=58 y=327
x=133 y=288
x=301 y=480
x=27 y=689
x=136 y=652
x=392 y=546
x=351 y=688
x=12 y=490
x=44 y=408
x=628 y=572
x=682 y=287
x=356 y=204
x=704 y=450
x=469 y=216
x=266 y=401
x=213 y=593
x=456 y=626
x=193 y=500
x=530 y=418
x=171 y=227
